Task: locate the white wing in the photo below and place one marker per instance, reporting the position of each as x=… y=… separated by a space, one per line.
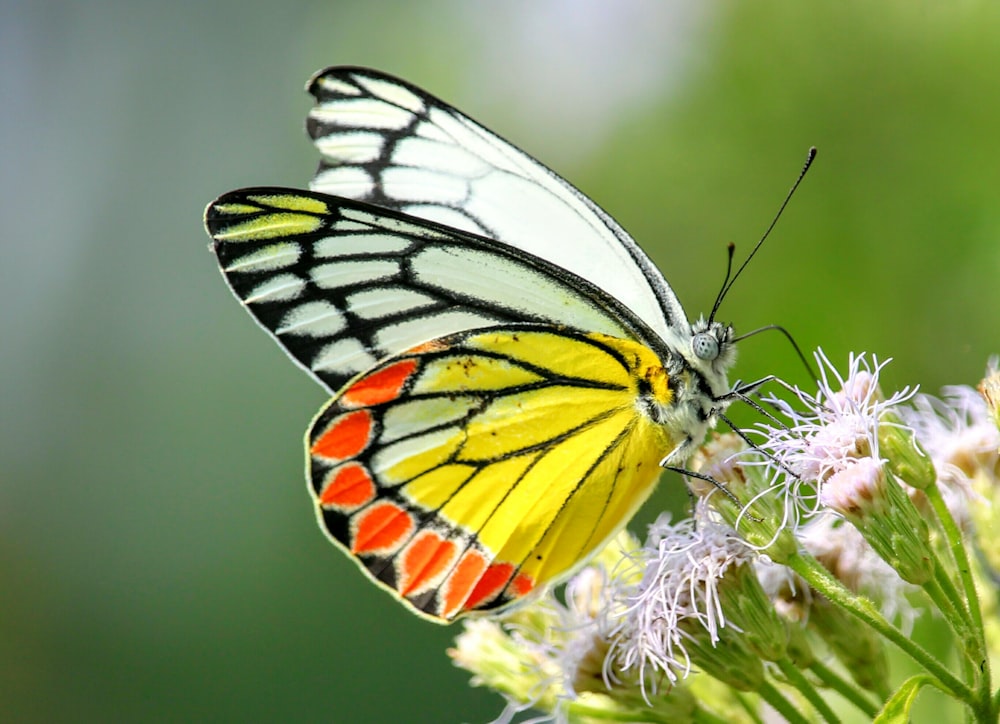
x=388 y=143
x=341 y=284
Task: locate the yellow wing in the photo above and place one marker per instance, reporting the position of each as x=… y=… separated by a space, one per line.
x=472 y=470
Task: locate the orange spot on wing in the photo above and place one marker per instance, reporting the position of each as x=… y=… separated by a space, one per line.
x=346 y=436
x=461 y=582
x=380 y=386
x=489 y=585
x=381 y=529
x=425 y=559
x=521 y=586
x=350 y=487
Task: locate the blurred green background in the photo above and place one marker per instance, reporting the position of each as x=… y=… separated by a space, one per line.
x=159 y=559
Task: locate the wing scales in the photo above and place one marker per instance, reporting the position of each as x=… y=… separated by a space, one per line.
x=492 y=462
x=386 y=142
x=341 y=286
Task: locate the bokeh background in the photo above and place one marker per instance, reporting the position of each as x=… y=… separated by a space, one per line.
x=159 y=559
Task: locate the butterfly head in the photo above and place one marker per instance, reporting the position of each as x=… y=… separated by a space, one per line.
x=712 y=352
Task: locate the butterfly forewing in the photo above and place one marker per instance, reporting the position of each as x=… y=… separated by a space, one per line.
x=389 y=143
x=342 y=285
x=469 y=472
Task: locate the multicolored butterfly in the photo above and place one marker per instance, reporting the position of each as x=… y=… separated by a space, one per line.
x=508 y=369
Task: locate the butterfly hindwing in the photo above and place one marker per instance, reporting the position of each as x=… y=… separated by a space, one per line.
x=472 y=470
x=391 y=144
x=342 y=285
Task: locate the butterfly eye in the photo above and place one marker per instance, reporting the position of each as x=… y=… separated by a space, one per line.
x=705 y=346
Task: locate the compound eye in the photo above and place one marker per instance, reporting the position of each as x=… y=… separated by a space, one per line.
x=705 y=346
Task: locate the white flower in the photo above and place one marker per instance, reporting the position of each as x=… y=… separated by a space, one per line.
x=957 y=432
x=677 y=606
x=838 y=426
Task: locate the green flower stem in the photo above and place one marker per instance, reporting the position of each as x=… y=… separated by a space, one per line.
x=959 y=553
x=957 y=547
x=796 y=679
x=701 y=716
x=821 y=580
x=947 y=586
x=783 y=706
x=751 y=709
x=832 y=680
x=943 y=594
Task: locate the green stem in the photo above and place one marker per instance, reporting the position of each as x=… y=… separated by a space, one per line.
x=982 y=701
x=957 y=547
x=802 y=684
x=783 y=706
x=702 y=716
x=752 y=710
x=947 y=598
x=821 y=580
x=836 y=682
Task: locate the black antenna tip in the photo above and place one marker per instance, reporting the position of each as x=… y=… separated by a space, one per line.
x=731 y=278
x=731 y=247
x=810 y=157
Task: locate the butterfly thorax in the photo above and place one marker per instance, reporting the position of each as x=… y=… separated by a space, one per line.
x=677 y=394
x=695 y=377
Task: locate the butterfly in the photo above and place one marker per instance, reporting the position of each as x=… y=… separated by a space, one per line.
x=508 y=369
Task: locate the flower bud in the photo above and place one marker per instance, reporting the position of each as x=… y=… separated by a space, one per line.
x=870 y=498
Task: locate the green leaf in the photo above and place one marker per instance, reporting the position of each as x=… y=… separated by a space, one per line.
x=897 y=708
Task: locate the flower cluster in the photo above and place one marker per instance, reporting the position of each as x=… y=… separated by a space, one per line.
x=807 y=554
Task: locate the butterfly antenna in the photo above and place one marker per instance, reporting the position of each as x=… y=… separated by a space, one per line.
x=791 y=340
x=727 y=285
x=730 y=250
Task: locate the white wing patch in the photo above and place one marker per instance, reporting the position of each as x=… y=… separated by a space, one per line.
x=394 y=93
x=360 y=147
x=437 y=155
x=384 y=301
x=313 y=319
x=345 y=357
x=359 y=243
x=276 y=289
x=277 y=256
x=443 y=215
x=414 y=416
x=348 y=181
x=347 y=273
x=469 y=272
x=411 y=332
x=366 y=113
x=406 y=185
